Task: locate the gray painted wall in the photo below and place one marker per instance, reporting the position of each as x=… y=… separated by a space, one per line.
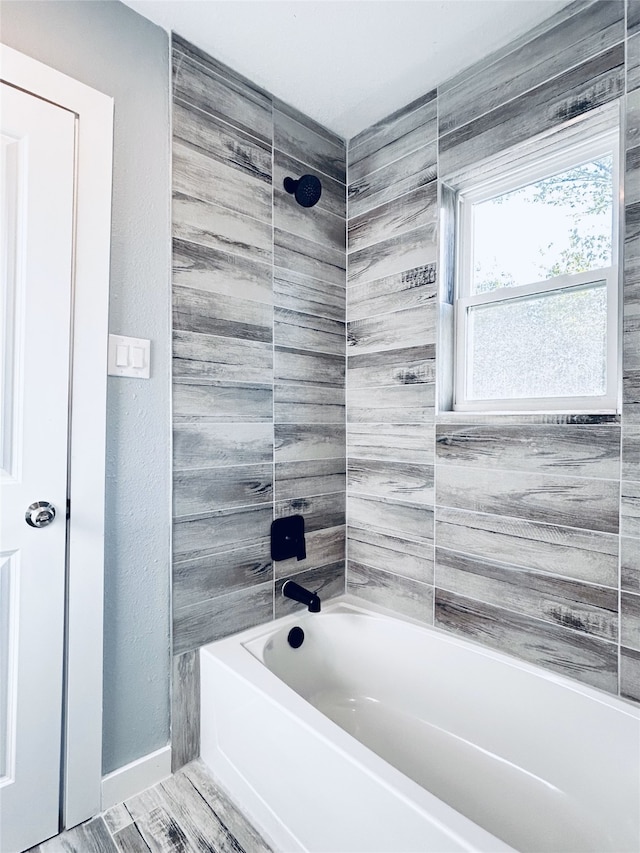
x=114 y=50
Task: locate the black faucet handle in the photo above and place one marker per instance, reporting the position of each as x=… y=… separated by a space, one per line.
x=287 y=538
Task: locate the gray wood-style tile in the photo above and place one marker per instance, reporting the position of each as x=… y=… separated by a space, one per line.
x=308 y=403
x=90 y=837
x=301 y=442
x=220 y=531
x=327 y=581
x=595 y=82
x=397 y=404
x=221 y=358
x=217 y=574
x=630 y=564
x=219 y=141
x=406 y=596
x=203 y=444
x=215 y=271
x=214 y=618
x=299 y=292
x=117 y=818
x=385 y=479
x=309 y=258
x=314 y=223
x=633 y=17
x=323 y=547
x=201 y=490
x=393 y=255
x=417 y=209
x=412 y=327
x=399 y=555
x=206 y=84
x=630 y=509
x=571 y=41
x=630 y=674
x=392 y=138
x=227 y=812
x=410 y=289
x=185 y=709
x=633 y=62
x=631 y=452
x=572 y=501
x=231 y=402
x=406 y=366
x=309 y=478
x=219 y=227
x=583 y=555
x=630 y=621
x=399 y=442
x=319 y=511
x=166 y=826
x=197 y=175
x=399 y=177
x=311 y=124
x=583 y=607
x=585 y=451
x=308 y=332
x=308 y=368
x=401 y=518
x=302 y=142
x=186 y=813
x=216 y=314
x=563 y=650
x=130 y=840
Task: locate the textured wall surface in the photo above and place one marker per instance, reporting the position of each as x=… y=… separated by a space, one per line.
x=501 y=528
x=111 y=48
x=630 y=491
x=258 y=355
x=391 y=311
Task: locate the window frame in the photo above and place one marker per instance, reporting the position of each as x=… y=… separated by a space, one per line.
x=518 y=171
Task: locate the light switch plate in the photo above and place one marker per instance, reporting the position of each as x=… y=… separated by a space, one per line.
x=129 y=357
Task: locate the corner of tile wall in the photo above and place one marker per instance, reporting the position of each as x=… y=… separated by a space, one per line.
x=258 y=356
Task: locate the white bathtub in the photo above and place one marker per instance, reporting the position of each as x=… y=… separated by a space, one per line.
x=381 y=735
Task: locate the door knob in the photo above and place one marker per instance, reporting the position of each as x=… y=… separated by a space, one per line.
x=40 y=514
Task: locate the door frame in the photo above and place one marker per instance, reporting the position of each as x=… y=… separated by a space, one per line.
x=82 y=734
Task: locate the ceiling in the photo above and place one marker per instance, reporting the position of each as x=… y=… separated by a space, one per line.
x=348 y=63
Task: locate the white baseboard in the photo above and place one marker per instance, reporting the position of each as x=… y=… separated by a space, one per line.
x=143 y=773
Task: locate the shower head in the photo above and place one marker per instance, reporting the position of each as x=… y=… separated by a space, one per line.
x=307 y=189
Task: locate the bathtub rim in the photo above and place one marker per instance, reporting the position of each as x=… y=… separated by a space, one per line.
x=241 y=664
x=350 y=603
x=233 y=655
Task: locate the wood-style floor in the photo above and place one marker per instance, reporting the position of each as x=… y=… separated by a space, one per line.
x=187 y=812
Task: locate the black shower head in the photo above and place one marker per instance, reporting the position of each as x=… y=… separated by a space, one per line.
x=307 y=189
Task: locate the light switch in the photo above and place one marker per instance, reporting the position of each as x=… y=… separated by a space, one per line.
x=129 y=357
x=122 y=355
x=138 y=356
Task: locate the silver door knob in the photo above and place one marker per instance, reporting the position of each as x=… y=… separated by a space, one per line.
x=40 y=513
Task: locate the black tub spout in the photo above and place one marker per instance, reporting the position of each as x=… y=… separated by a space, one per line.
x=290 y=589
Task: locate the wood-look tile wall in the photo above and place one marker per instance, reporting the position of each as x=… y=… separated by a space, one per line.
x=391 y=332
x=630 y=487
x=519 y=532
x=258 y=358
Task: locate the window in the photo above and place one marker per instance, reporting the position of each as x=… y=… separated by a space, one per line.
x=536 y=307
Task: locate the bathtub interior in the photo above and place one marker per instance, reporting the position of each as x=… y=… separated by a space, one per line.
x=539 y=762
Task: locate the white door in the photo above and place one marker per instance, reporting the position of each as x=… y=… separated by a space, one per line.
x=37 y=198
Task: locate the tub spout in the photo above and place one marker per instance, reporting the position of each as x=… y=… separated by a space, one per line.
x=290 y=589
